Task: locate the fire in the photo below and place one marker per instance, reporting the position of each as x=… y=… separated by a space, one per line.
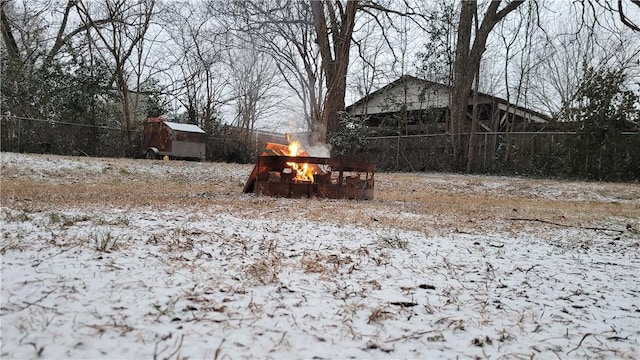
x=304 y=172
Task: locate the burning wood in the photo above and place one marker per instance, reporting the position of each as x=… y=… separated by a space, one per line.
x=289 y=171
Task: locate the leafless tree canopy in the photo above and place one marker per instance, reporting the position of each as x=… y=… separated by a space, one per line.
x=286 y=65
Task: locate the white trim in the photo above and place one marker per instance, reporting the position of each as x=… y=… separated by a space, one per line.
x=184 y=127
x=524 y=114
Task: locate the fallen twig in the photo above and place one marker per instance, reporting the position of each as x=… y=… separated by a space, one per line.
x=411 y=336
x=46 y=294
x=570 y=226
x=161 y=312
x=218 y=350
x=580 y=343
x=39 y=261
x=403 y=303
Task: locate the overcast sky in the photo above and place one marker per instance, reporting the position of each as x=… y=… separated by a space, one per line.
x=559 y=22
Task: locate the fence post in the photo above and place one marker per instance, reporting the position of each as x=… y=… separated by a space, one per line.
x=484 y=157
x=19 y=132
x=398 y=154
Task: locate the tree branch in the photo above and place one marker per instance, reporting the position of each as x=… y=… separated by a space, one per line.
x=7 y=34
x=625 y=20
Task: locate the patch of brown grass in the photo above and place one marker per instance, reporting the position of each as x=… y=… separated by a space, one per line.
x=427 y=204
x=266 y=269
x=379 y=314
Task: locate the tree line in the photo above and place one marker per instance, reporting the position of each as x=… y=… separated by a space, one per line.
x=294 y=63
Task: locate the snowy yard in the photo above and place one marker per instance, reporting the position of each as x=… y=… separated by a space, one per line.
x=117 y=258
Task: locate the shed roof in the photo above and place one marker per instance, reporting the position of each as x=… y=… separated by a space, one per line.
x=184 y=127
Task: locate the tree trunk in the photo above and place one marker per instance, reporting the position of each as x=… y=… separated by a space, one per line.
x=462 y=79
x=126 y=107
x=333 y=105
x=7 y=36
x=471 y=144
x=334 y=41
x=467 y=65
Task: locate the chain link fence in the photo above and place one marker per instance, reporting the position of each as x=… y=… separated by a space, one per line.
x=18 y=134
x=550 y=154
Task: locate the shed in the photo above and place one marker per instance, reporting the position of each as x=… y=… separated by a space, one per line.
x=177 y=141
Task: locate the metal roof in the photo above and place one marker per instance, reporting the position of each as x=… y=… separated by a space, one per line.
x=184 y=127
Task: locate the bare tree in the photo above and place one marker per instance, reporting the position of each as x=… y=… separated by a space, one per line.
x=469 y=50
x=334 y=22
x=590 y=39
x=517 y=39
x=370 y=66
x=9 y=39
x=284 y=31
x=33 y=25
x=125 y=33
x=320 y=35
x=34 y=34
x=199 y=80
x=436 y=58
x=633 y=25
x=621 y=8
x=253 y=81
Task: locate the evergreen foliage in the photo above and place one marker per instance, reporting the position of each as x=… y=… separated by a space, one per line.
x=435 y=59
x=156 y=103
x=351 y=136
x=606 y=110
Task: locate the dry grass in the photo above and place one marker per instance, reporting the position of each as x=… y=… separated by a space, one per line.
x=435 y=204
x=267 y=267
x=380 y=283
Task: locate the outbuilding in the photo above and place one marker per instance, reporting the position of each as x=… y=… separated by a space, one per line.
x=411 y=106
x=162 y=138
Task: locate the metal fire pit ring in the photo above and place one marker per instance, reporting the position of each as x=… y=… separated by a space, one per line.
x=343 y=179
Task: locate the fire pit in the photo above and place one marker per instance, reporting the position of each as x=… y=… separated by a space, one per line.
x=306 y=176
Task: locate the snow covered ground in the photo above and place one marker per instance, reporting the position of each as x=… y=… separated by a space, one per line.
x=204 y=271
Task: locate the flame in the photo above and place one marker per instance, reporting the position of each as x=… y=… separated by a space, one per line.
x=304 y=172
